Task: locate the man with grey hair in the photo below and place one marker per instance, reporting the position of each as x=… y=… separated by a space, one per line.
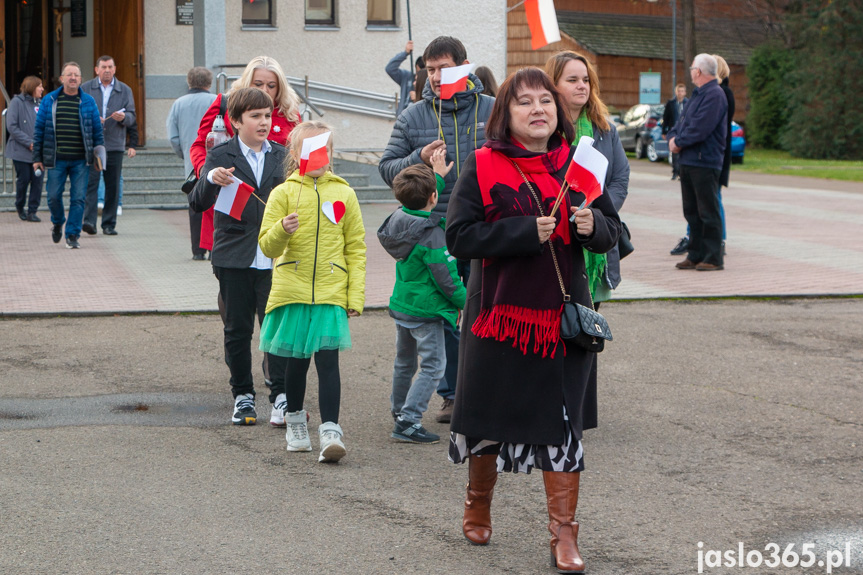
x=182 y=124
x=699 y=138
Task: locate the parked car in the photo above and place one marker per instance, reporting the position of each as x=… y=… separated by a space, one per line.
x=738 y=143
x=633 y=124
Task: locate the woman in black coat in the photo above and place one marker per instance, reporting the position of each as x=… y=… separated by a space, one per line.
x=520 y=393
x=722 y=74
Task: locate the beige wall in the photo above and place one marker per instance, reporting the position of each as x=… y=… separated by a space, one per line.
x=350 y=56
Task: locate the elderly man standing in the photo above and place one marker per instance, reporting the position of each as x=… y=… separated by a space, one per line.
x=699 y=138
x=67 y=136
x=117 y=111
x=183 y=122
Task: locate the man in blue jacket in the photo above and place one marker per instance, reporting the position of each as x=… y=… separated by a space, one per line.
x=455 y=125
x=67 y=137
x=404 y=78
x=699 y=138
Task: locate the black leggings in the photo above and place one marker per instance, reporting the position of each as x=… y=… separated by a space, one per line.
x=329 y=383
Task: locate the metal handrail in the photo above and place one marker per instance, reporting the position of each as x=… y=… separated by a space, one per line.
x=3 y=142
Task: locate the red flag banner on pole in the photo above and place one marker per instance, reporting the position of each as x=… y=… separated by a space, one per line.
x=542 y=20
x=586 y=173
x=453 y=80
x=314 y=153
x=233 y=198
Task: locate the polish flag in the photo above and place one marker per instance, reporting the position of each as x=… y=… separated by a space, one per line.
x=453 y=80
x=233 y=198
x=542 y=20
x=586 y=173
x=314 y=153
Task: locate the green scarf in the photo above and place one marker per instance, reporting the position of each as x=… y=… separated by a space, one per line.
x=593 y=263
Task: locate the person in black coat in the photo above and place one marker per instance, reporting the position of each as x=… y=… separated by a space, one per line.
x=243 y=271
x=723 y=72
x=520 y=392
x=673 y=110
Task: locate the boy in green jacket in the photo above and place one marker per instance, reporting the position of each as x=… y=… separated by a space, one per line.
x=427 y=293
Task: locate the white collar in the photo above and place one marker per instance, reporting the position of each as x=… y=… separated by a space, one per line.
x=265 y=147
x=111 y=85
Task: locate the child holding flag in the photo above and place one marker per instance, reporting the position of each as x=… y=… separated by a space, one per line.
x=237 y=178
x=313 y=226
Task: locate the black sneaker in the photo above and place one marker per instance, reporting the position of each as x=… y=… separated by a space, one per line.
x=682 y=247
x=244 y=410
x=413 y=433
x=89 y=229
x=57 y=233
x=72 y=242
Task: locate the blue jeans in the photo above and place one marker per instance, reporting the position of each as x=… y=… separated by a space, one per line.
x=721 y=213
x=408 y=400
x=78 y=173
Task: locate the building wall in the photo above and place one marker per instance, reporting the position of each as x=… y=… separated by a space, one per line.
x=350 y=56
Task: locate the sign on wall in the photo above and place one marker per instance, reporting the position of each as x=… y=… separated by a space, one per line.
x=185 y=13
x=649 y=86
x=78 y=17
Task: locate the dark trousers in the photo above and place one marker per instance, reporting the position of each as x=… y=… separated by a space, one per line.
x=675 y=165
x=451 y=338
x=113 y=169
x=195 y=229
x=245 y=292
x=329 y=383
x=25 y=178
x=701 y=209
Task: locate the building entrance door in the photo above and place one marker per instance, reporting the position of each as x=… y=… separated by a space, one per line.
x=26 y=44
x=119 y=33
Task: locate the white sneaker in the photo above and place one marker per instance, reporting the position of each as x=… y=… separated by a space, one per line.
x=100 y=205
x=119 y=210
x=277 y=413
x=332 y=448
x=244 y=410
x=297 y=434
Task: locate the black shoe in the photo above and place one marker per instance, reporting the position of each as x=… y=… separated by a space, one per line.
x=72 y=242
x=33 y=218
x=57 y=233
x=196 y=257
x=413 y=433
x=89 y=229
x=673 y=177
x=109 y=231
x=681 y=247
x=22 y=216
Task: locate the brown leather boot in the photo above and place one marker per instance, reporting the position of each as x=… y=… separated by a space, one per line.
x=561 y=492
x=476 y=525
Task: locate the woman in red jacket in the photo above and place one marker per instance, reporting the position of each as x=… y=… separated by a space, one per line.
x=265 y=74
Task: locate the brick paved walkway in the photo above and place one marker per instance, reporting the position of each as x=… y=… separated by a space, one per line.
x=786 y=236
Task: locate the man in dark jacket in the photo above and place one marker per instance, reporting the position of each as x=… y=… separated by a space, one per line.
x=67 y=137
x=456 y=125
x=117 y=113
x=673 y=110
x=404 y=78
x=699 y=138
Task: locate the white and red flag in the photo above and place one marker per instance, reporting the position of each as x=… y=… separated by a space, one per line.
x=233 y=198
x=314 y=153
x=453 y=80
x=586 y=173
x=542 y=20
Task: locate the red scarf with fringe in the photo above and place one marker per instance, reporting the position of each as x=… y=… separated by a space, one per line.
x=521 y=299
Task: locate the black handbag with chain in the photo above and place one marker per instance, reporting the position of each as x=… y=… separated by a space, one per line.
x=583 y=325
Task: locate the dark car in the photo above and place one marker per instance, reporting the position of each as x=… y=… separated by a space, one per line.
x=635 y=124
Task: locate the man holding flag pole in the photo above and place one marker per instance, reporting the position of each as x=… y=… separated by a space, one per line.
x=451 y=116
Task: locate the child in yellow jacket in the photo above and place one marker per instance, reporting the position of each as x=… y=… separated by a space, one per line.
x=314 y=230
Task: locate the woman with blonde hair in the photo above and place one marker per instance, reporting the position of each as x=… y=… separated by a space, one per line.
x=265 y=74
x=722 y=74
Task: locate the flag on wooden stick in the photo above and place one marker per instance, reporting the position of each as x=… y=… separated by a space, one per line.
x=233 y=198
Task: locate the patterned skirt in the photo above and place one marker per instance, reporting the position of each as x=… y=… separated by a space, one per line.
x=520 y=457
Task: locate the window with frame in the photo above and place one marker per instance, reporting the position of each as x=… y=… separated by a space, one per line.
x=381 y=13
x=321 y=12
x=258 y=13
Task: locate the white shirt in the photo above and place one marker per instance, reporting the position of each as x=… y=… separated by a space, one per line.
x=256 y=162
x=106 y=95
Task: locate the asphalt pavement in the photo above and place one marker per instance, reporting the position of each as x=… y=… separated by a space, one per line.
x=721 y=422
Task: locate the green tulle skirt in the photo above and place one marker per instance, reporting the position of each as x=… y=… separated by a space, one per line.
x=299 y=330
